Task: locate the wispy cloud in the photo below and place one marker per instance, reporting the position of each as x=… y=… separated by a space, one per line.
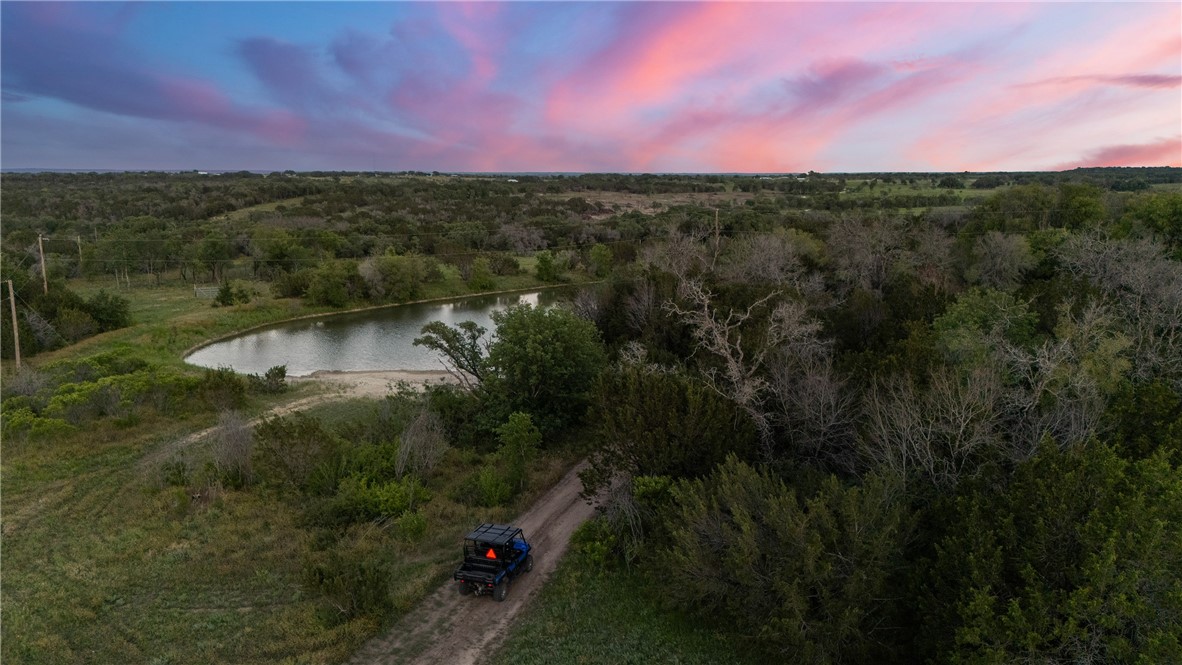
x=614 y=86
x=1158 y=153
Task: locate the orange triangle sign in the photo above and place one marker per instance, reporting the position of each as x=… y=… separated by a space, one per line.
x=490 y=554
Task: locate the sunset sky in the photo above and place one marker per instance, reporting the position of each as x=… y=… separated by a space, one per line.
x=596 y=86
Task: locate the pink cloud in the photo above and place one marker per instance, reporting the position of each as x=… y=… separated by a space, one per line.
x=1116 y=91
x=1129 y=80
x=1166 y=152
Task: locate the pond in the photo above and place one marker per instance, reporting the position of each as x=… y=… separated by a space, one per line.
x=376 y=339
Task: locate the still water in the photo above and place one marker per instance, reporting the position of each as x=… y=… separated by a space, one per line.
x=381 y=339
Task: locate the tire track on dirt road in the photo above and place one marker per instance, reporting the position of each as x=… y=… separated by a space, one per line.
x=449 y=628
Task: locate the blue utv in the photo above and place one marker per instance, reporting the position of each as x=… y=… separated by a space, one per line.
x=493 y=555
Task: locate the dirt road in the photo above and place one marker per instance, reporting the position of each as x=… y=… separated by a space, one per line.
x=458 y=630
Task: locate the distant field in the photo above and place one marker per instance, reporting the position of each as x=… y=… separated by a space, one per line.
x=621 y=202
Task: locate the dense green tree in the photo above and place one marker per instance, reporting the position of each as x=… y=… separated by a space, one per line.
x=1159 y=213
x=601 y=260
x=1146 y=418
x=971 y=329
x=1075 y=560
x=543 y=362
x=395 y=278
x=520 y=441
x=807 y=575
x=335 y=283
x=656 y=423
x=481 y=278
x=109 y=310
x=546 y=267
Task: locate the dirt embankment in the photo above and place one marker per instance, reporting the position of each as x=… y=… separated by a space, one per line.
x=458 y=630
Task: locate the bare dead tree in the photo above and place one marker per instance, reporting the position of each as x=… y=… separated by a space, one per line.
x=26 y=381
x=934 y=260
x=764 y=259
x=1060 y=389
x=940 y=434
x=1143 y=285
x=741 y=376
x=681 y=254
x=372 y=274
x=586 y=305
x=1000 y=260
x=422 y=445
x=232 y=447
x=640 y=305
x=43 y=331
x=520 y=239
x=865 y=251
x=815 y=407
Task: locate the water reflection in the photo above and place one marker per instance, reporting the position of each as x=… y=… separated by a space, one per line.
x=373 y=340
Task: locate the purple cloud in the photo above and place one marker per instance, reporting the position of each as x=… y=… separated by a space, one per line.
x=54 y=54
x=833 y=81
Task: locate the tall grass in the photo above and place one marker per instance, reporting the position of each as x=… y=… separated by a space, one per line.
x=592 y=616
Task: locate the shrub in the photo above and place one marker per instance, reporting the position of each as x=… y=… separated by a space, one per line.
x=273 y=381
x=546 y=267
x=26 y=381
x=23 y=421
x=175 y=473
x=520 y=441
x=75 y=324
x=78 y=403
x=353 y=576
x=289 y=450
x=412 y=526
x=492 y=488
x=222 y=388
x=232 y=449
x=503 y=264
x=109 y=310
x=595 y=544
x=481 y=276
x=225 y=295
x=358 y=498
x=292 y=284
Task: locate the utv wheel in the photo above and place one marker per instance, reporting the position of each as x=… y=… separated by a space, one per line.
x=529 y=562
x=500 y=591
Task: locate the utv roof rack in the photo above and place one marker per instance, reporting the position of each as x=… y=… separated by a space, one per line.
x=493 y=534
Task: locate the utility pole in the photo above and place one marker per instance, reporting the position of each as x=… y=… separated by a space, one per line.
x=44 y=272
x=16 y=331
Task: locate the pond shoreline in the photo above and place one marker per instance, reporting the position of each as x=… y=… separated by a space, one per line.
x=320 y=315
x=376 y=383
x=241 y=351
